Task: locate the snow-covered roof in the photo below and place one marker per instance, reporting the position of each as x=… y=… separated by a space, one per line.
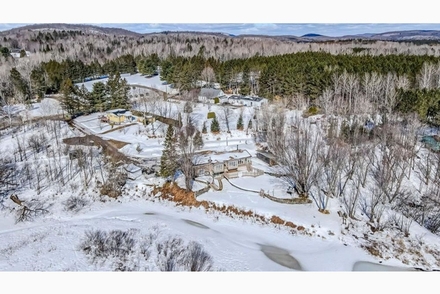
x=116 y=111
x=220 y=157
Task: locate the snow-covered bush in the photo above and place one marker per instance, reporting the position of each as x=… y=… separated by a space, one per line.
x=131 y=251
x=28 y=211
x=117 y=245
x=75 y=203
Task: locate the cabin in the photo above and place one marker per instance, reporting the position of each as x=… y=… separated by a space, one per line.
x=215 y=163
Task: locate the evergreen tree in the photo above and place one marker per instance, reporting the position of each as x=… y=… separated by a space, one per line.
x=84 y=94
x=5 y=52
x=250 y=124
x=215 y=127
x=69 y=102
x=204 y=130
x=98 y=97
x=240 y=122
x=20 y=84
x=198 y=140
x=118 y=91
x=168 y=160
x=244 y=85
x=38 y=82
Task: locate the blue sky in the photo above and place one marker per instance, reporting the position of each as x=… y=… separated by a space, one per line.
x=296 y=29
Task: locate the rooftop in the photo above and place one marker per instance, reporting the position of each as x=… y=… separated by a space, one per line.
x=248 y=98
x=220 y=157
x=210 y=92
x=116 y=111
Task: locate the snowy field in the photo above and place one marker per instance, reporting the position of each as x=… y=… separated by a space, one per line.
x=136 y=79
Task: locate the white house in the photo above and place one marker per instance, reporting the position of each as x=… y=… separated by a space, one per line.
x=247 y=101
x=209 y=94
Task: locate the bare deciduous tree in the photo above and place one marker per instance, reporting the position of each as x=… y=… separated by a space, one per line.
x=208 y=75
x=226 y=114
x=299 y=156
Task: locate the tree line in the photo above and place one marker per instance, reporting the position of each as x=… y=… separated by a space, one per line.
x=305 y=74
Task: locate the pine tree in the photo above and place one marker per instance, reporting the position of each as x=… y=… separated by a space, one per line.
x=204 y=130
x=98 y=97
x=168 y=160
x=118 y=91
x=69 y=103
x=215 y=127
x=240 y=122
x=250 y=124
x=19 y=83
x=197 y=140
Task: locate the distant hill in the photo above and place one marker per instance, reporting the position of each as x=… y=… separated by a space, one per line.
x=74 y=27
x=410 y=35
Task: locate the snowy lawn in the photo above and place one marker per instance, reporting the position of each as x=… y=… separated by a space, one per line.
x=136 y=79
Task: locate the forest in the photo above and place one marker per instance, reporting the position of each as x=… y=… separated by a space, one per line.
x=411 y=81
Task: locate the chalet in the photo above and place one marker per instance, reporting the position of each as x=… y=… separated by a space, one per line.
x=267 y=157
x=209 y=95
x=247 y=101
x=215 y=163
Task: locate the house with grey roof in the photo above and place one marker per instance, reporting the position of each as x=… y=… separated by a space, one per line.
x=209 y=95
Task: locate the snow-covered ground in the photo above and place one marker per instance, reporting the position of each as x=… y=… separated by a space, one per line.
x=137 y=79
x=47 y=107
x=50 y=242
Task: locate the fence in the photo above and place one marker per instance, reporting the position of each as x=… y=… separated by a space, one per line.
x=254 y=173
